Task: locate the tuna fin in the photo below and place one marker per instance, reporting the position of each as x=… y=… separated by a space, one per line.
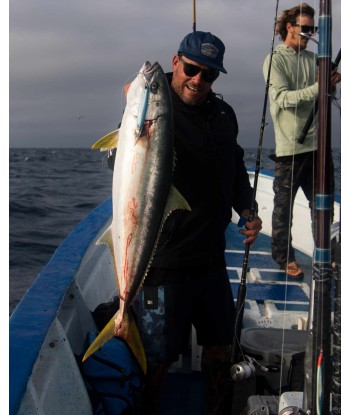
x=135 y=343
x=175 y=202
x=106 y=334
x=128 y=332
x=108 y=141
x=106 y=238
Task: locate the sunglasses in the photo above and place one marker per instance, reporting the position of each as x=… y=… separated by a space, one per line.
x=307 y=29
x=209 y=75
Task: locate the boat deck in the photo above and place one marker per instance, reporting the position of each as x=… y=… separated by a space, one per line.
x=273 y=301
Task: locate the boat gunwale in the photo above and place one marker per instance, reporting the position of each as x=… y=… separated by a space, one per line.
x=33 y=316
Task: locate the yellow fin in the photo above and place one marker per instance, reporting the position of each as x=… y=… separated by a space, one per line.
x=129 y=333
x=106 y=334
x=135 y=343
x=175 y=202
x=108 y=141
x=106 y=238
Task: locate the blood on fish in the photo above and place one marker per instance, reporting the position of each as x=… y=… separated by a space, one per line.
x=118 y=328
x=133 y=216
x=126 y=266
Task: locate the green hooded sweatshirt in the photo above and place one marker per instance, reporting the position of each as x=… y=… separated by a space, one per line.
x=292 y=92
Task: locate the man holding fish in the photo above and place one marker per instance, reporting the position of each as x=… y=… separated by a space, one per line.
x=189 y=263
x=184 y=281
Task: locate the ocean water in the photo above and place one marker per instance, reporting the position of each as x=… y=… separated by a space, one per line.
x=50 y=191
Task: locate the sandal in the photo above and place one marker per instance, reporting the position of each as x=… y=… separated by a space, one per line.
x=293 y=270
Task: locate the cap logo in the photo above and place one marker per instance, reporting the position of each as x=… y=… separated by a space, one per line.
x=208 y=49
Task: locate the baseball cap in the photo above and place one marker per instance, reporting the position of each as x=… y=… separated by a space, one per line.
x=204 y=48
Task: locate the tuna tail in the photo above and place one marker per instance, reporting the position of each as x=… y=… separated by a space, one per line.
x=133 y=339
x=127 y=330
x=106 y=334
x=108 y=141
x=129 y=333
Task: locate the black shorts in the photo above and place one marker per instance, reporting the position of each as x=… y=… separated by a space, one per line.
x=172 y=300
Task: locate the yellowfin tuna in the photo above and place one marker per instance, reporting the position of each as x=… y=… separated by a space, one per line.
x=143 y=196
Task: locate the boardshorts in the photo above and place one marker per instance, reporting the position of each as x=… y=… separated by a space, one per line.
x=172 y=300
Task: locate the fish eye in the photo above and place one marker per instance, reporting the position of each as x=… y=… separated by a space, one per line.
x=154 y=86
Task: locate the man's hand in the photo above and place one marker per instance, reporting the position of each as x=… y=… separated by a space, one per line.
x=335 y=78
x=252 y=229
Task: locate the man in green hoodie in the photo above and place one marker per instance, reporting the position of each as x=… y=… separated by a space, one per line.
x=292 y=92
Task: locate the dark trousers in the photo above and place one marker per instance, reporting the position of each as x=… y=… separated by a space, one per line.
x=289 y=176
x=292 y=173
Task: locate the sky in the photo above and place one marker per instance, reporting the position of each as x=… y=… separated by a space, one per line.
x=69 y=60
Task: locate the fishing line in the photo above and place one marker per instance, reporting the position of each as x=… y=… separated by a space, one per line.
x=292 y=195
x=295 y=137
x=313 y=113
x=128 y=80
x=242 y=290
x=122 y=105
x=315 y=137
x=291 y=199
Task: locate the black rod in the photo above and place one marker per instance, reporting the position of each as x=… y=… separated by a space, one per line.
x=314 y=110
x=336 y=364
x=242 y=287
x=194 y=16
x=318 y=385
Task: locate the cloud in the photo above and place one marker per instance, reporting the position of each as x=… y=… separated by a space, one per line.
x=71 y=59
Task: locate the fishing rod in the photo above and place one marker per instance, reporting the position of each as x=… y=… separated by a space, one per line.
x=242 y=289
x=313 y=112
x=194 y=15
x=318 y=362
x=336 y=364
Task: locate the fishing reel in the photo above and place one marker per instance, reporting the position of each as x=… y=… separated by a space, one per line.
x=245 y=369
x=292 y=410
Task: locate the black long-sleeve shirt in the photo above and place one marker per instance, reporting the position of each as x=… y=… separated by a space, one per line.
x=210 y=173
